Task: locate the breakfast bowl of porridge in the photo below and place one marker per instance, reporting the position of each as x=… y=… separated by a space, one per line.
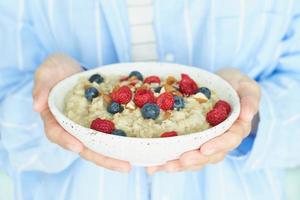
x=144 y=113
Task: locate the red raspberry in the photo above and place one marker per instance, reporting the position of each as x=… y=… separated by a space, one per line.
x=223 y=104
x=169 y=134
x=216 y=116
x=165 y=101
x=103 y=125
x=152 y=79
x=143 y=96
x=187 y=85
x=122 y=95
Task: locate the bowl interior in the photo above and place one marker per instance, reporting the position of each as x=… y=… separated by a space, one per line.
x=202 y=77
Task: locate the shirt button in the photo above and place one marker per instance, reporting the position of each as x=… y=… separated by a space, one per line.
x=169 y=57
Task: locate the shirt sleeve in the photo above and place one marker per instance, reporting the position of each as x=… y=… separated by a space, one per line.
x=22 y=134
x=276 y=142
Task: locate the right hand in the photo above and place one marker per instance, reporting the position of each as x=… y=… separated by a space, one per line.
x=54 y=69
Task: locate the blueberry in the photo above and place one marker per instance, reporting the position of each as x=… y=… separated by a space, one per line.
x=178 y=102
x=91 y=93
x=96 y=78
x=114 y=108
x=137 y=74
x=157 y=90
x=150 y=111
x=119 y=132
x=205 y=91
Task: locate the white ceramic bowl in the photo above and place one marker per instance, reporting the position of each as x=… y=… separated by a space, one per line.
x=144 y=151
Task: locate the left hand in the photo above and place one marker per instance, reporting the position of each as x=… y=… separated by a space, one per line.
x=216 y=149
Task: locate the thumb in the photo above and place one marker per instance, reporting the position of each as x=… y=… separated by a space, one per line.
x=250 y=96
x=40 y=97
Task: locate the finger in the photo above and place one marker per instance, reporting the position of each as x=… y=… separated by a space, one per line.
x=40 y=99
x=216 y=158
x=154 y=169
x=170 y=166
x=249 y=108
x=193 y=158
x=227 y=141
x=176 y=166
x=55 y=68
x=193 y=168
x=41 y=89
x=151 y=170
x=106 y=162
x=249 y=93
x=56 y=134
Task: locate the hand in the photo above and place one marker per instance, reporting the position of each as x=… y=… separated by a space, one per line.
x=216 y=149
x=54 y=69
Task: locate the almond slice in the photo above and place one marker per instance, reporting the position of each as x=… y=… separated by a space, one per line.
x=132 y=78
x=169 y=88
x=107 y=99
x=167 y=115
x=86 y=86
x=171 y=80
x=162 y=90
x=130 y=105
x=200 y=97
x=116 y=88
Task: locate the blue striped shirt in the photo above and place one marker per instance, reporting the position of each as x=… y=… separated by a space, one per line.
x=259 y=37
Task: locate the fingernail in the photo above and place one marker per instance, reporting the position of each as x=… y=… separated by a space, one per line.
x=208 y=151
x=75 y=148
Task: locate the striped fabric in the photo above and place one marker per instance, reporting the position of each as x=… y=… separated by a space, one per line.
x=259 y=37
x=143 y=42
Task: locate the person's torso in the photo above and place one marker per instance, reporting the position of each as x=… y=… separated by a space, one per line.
x=206 y=34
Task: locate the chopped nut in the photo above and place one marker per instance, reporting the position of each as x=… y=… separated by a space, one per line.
x=132 y=78
x=116 y=88
x=107 y=99
x=138 y=84
x=132 y=88
x=171 y=80
x=130 y=105
x=200 y=97
x=162 y=90
x=86 y=86
x=167 y=115
x=169 y=88
x=156 y=94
